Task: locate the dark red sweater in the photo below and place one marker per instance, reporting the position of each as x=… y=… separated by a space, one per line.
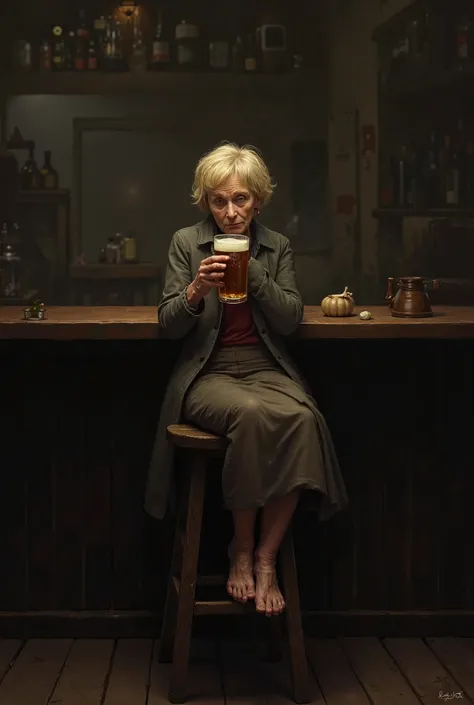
x=237 y=326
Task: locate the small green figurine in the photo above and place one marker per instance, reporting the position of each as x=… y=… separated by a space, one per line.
x=35 y=312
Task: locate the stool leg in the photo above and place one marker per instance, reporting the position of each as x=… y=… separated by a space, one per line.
x=165 y=654
x=299 y=668
x=189 y=565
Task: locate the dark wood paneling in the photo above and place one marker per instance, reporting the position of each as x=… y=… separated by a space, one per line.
x=13 y=496
x=77 y=426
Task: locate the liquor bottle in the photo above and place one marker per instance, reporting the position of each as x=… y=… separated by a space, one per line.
x=30 y=178
x=49 y=175
x=401 y=178
x=70 y=45
x=451 y=169
x=80 y=54
x=23 y=55
x=58 y=49
x=92 y=62
x=45 y=56
x=463 y=42
x=386 y=196
x=111 y=251
x=238 y=55
x=414 y=196
x=460 y=138
x=82 y=27
x=113 y=59
x=160 y=50
x=251 y=62
x=81 y=43
x=431 y=189
x=138 y=59
x=99 y=34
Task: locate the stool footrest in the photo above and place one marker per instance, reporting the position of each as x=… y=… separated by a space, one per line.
x=215 y=607
x=222 y=608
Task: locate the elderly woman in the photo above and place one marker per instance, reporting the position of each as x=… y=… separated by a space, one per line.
x=235 y=378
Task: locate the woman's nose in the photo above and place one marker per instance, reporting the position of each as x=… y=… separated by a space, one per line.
x=230 y=210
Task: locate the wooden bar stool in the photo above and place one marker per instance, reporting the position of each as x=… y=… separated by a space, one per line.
x=181 y=605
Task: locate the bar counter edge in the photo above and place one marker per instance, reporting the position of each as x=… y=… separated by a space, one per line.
x=140 y=323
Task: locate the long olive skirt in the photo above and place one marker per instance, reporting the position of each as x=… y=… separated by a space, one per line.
x=278 y=439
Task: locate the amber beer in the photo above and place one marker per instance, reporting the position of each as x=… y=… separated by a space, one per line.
x=234 y=288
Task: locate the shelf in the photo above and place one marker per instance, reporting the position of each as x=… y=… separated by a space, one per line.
x=103 y=83
x=421 y=84
x=43 y=195
x=139 y=270
x=423 y=212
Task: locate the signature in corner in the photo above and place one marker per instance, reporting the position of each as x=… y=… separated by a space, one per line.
x=450 y=696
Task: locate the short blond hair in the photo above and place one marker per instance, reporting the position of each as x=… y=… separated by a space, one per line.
x=227 y=160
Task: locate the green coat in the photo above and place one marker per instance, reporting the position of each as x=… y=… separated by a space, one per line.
x=277 y=311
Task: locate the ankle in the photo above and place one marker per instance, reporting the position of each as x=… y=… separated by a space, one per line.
x=239 y=546
x=265 y=557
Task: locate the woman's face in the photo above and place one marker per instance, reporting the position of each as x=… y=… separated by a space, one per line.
x=232 y=206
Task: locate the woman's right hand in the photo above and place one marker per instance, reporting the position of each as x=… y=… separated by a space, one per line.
x=209 y=276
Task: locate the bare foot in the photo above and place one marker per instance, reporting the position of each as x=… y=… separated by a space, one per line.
x=241 y=585
x=268 y=598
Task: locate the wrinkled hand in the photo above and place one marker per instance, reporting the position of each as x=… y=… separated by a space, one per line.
x=209 y=276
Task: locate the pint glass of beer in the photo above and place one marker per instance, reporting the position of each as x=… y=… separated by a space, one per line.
x=234 y=281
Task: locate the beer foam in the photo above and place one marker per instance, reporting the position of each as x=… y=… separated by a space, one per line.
x=231 y=244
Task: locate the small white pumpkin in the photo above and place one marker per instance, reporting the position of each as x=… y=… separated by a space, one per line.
x=338 y=304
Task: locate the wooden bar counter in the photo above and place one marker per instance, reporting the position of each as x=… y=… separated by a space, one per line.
x=80 y=396
x=140 y=323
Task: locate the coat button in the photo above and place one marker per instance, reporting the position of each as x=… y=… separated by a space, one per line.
x=202 y=358
x=263 y=331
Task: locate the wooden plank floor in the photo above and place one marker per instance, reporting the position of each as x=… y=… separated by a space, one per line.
x=346 y=671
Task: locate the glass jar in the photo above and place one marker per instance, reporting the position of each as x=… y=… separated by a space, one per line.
x=219 y=54
x=188 y=45
x=10 y=264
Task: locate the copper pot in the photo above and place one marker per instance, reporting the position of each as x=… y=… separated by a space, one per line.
x=411 y=299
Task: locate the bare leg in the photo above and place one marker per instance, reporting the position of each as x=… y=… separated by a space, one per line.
x=276 y=519
x=240 y=584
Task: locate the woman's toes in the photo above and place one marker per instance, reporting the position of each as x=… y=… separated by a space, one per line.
x=270 y=607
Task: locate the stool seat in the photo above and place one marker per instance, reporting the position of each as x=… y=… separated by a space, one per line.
x=187 y=436
x=181 y=606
